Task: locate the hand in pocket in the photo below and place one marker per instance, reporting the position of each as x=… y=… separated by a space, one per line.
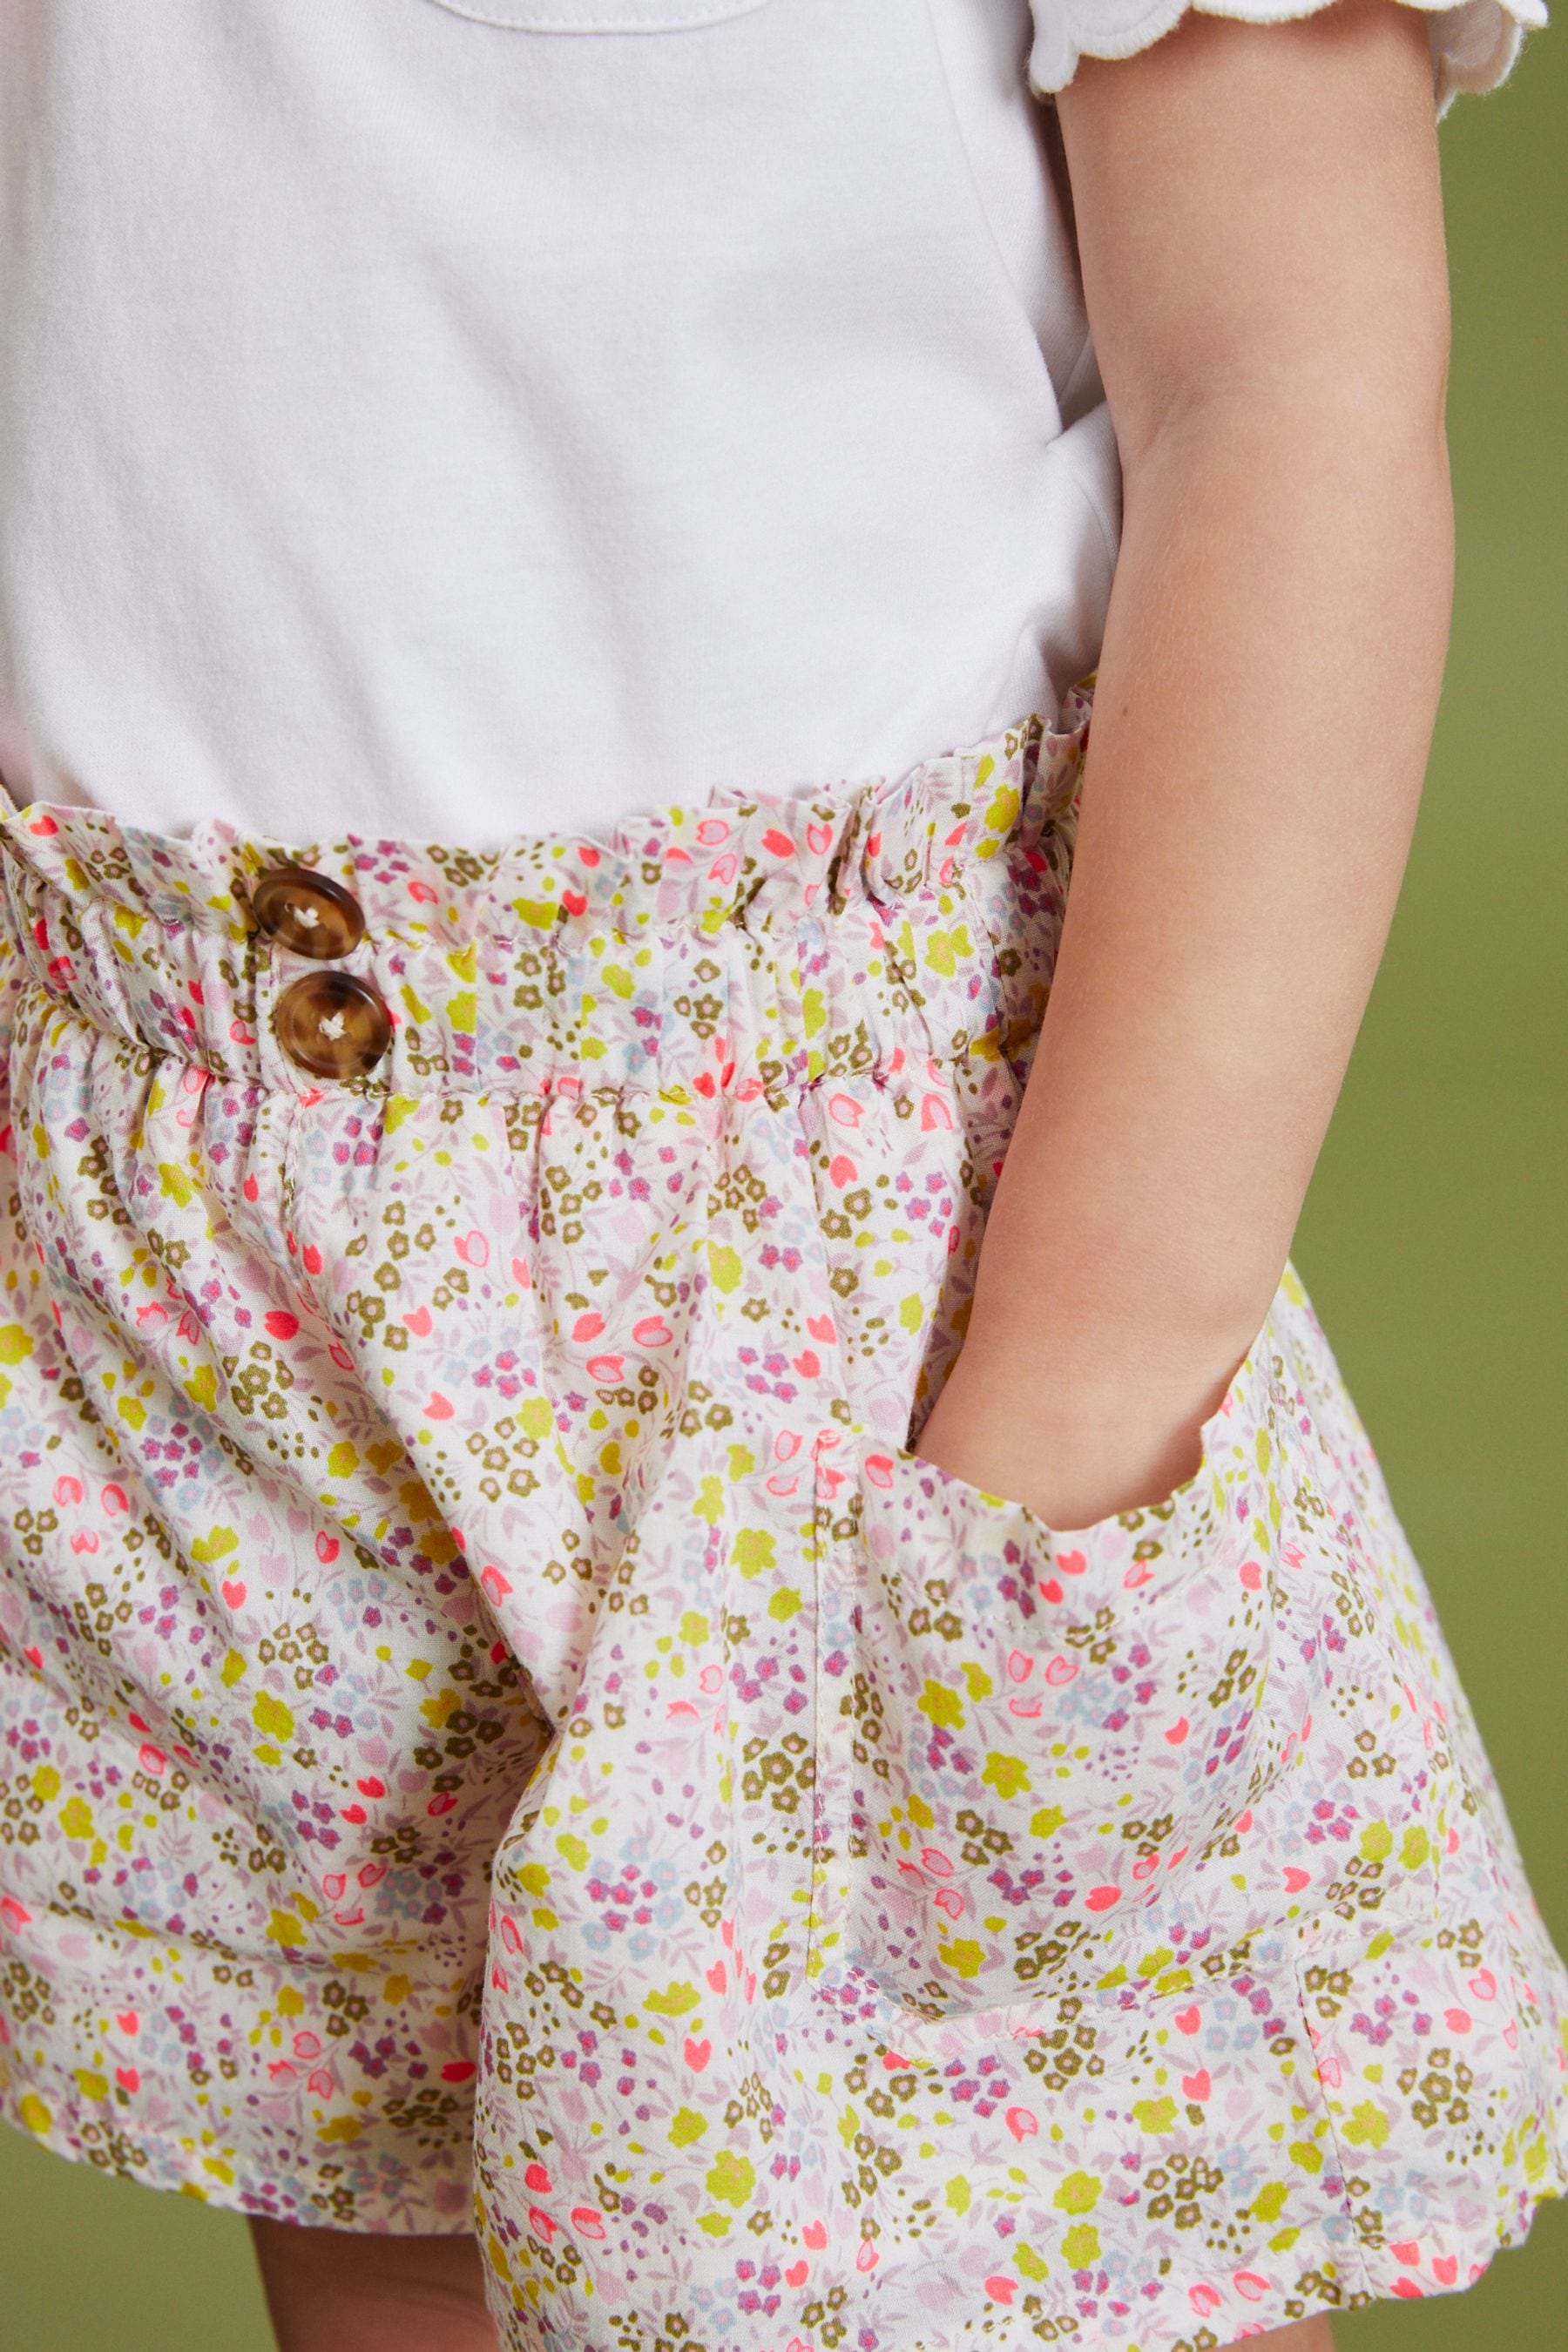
x=1030 y=1740
x=1075 y=1452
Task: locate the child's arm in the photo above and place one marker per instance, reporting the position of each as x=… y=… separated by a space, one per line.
x=1259 y=219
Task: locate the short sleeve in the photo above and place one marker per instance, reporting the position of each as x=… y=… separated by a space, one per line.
x=1473 y=45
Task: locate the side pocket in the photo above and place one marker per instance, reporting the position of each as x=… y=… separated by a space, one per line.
x=1028 y=1742
x=1171 y=2158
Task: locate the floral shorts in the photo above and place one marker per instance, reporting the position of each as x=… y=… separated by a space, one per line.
x=494 y=1715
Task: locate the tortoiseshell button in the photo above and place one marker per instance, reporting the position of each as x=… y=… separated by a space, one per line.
x=333 y=1024
x=308 y=913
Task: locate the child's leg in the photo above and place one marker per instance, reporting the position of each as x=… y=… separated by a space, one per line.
x=330 y=2292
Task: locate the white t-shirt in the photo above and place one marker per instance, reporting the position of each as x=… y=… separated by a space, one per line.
x=459 y=418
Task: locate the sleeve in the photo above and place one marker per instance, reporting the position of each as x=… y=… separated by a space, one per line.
x=1474 y=45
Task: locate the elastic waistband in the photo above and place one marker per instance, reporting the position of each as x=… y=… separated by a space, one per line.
x=557 y=951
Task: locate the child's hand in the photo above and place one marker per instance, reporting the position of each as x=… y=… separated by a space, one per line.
x=1074 y=1450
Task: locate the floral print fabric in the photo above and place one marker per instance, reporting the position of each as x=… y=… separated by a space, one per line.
x=492 y=1707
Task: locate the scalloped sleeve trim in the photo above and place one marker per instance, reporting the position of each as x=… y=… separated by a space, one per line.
x=1473 y=45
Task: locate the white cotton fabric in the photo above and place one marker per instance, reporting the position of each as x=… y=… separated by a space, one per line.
x=385 y=385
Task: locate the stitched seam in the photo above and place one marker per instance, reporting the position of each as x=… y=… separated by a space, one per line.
x=688 y=20
x=977 y=195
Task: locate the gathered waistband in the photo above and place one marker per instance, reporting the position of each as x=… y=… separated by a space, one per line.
x=784 y=928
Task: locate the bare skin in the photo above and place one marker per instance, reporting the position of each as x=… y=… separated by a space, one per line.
x=329 y=2291
x=1261 y=231
x=1260 y=225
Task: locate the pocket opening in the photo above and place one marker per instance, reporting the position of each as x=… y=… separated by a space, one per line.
x=1033 y=1738
x=1242 y=1386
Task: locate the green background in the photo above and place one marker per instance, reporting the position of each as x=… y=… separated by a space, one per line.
x=1433 y=1241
